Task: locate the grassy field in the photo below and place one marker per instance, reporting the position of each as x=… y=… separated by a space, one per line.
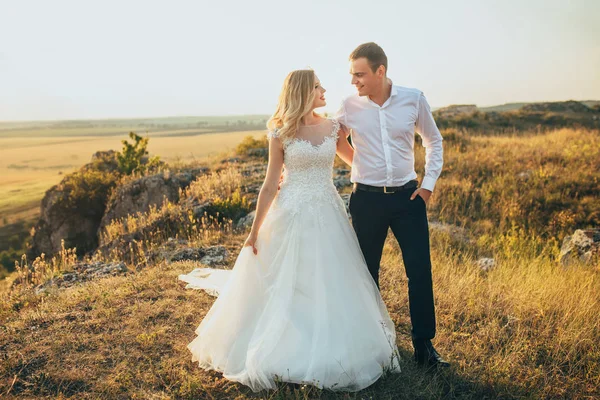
x=168 y=126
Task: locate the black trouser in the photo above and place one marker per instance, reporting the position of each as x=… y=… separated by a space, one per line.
x=372 y=214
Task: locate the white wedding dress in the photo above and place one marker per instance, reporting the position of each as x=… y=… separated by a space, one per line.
x=305 y=309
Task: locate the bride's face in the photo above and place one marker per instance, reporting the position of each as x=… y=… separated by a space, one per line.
x=319 y=100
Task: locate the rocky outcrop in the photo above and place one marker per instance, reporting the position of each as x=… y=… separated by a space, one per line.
x=84 y=202
x=456 y=109
x=341 y=182
x=258 y=152
x=105 y=161
x=141 y=194
x=72 y=210
x=558 y=106
x=247 y=221
x=180 y=250
x=346 y=198
x=83 y=272
x=583 y=246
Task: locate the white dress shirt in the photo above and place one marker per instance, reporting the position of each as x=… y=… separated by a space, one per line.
x=384 y=137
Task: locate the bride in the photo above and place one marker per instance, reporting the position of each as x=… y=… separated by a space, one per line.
x=299 y=304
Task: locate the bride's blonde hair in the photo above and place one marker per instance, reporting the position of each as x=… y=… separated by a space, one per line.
x=295 y=102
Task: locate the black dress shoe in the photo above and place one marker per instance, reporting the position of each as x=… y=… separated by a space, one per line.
x=427 y=355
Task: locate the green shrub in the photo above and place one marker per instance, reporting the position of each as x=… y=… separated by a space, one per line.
x=249 y=143
x=7 y=260
x=232 y=208
x=131 y=158
x=87 y=191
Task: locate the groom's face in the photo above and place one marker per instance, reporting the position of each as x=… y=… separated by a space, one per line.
x=363 y=78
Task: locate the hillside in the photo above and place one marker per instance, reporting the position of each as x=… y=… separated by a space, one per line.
x=517 y=106
x=519 y=118
x=115 y=323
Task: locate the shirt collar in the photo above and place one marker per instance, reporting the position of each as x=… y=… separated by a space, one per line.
x=393 y=93
x=394 y=88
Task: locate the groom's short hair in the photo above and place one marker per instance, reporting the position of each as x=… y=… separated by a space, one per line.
x=373 y=53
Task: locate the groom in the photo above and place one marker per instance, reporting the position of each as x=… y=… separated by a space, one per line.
x=383 y=119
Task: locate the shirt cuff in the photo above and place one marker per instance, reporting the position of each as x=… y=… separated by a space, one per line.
x=428 y=183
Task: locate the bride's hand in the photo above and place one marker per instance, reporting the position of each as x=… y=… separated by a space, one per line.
x=251 y=241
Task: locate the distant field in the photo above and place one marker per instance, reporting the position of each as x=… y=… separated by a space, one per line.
x=98 y=131
x=31 y=165
x=169 y=126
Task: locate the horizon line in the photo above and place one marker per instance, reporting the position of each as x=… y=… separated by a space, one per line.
x=261 y=115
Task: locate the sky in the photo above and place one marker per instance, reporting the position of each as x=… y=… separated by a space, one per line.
x=89 y=59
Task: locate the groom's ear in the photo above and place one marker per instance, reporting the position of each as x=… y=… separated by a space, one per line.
x=381 y=71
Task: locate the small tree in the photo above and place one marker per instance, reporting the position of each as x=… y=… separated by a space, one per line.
x=131 y=158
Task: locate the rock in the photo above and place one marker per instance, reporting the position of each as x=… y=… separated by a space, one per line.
x=103 y=161
x=259 y=152
x=214 y=255
x=456 y=233
x=247 y=221
x=198 y=211
x=525 y=175
x=97 y=270
x=341 y=171
x=72 y=210
x=83 y=272
x=583 y=245
x=456 y=109
x=145 y=192
x=570 y=106
x=253 y=188
x=187 y=253
x=125 y=244
x=486 y=264
x=231 y=160
x=254 y=170
x=346 y=198
x=174 y=242
x=341 y=182
x=180 y=250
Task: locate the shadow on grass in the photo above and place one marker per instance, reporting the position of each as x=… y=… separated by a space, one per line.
x=414 y=382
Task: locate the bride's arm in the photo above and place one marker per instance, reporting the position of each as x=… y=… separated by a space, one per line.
x=344 y=150
x=268 y=190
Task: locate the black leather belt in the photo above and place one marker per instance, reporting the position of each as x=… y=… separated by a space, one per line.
x=386 y=189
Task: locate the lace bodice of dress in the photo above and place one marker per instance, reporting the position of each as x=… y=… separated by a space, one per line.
x=308 y=167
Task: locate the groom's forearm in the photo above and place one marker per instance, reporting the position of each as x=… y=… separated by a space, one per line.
x=345 y=151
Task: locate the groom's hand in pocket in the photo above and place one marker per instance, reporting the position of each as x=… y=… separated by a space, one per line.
x=424 y=193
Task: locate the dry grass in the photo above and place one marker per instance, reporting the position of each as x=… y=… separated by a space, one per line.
x=545 y=184
x=526 y=329
x=222 y=184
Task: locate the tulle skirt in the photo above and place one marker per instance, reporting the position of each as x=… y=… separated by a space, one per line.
x=304 y=310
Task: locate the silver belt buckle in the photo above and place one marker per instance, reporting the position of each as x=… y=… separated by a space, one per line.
x=385 y=190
